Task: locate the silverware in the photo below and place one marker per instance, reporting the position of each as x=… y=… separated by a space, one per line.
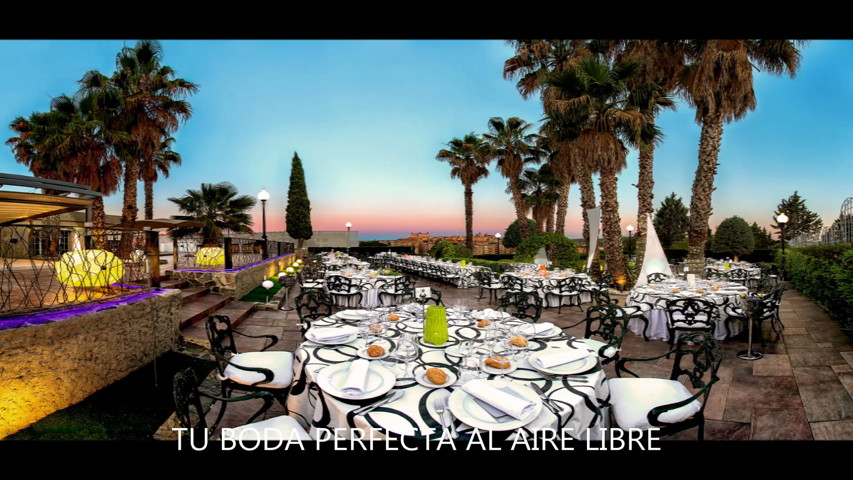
x=387 y=399
x=553 y=406
x=440 y=405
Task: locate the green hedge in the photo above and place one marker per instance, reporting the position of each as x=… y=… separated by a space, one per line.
x=824 y=274
x=497 y=267
x=562 y=252
x=446 y=249
x=366 y=250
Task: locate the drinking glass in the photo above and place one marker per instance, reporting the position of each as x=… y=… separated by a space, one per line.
x=407 y=350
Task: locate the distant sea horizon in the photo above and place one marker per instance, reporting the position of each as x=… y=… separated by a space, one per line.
x=385 y=236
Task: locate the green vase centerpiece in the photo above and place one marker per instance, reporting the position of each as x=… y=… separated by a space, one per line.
x=435 y=325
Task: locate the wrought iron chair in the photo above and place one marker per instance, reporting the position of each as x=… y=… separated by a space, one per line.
x=250 y=371
x=522 y=305
x=344 y=290
x=434 y=297
x=656 y=277
x=308 y=280
x=739 y=275
x=608 y=321
x=513 y=283
x=646 y=403
x=487 y=281
x=448 y=275
x=187 y=396
x=690 y=315
x=569 y=287
x=397 y=290
x=312 y=305
x=602 y=297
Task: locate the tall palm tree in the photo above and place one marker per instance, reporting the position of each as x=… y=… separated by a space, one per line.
x=717 y=81
x=513 y=148
x=469 y=159
x=555 y=141
x=164 y=159
x=218 y=207
x=533 y=61
x=595 y=96
x=540 y=190
x=150 y=107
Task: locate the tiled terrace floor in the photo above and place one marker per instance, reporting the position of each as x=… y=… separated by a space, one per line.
x=801 y=390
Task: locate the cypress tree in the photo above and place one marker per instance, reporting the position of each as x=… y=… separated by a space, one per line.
x=298 y=212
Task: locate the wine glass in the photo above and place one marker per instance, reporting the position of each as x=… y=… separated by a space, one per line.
x=407 y=350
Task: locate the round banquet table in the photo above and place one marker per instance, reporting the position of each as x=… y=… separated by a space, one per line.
x=581 y=395
x=538 y=283
x=369 y=285
x=656 y=295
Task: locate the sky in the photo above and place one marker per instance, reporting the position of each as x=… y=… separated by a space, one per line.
x=367 y=119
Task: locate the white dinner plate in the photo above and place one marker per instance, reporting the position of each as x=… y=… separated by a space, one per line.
x=555 y=330
x=420 y=377
x=578 y=366
x=465 y=408
x=344 y=341
x=513 y=366
x=362 y=352
x=380 y=381
x=352 y=314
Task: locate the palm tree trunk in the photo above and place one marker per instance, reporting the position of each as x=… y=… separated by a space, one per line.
x=469 y=217
x=98 y=222
x=149 y=198
x=587 y=202
x=520 y=209
x=563 y=209
x=549 y=218
x=645 y=186
x=129 y=210
x=539 y=214
x=610 y=222
x=703 y=187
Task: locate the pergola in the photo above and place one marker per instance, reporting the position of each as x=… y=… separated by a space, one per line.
x=19 y=206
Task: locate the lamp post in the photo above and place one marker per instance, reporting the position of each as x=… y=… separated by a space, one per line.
x=782 y=219
x=349 y=225
x=498 y=236
x=630 y=229
x=263 y=196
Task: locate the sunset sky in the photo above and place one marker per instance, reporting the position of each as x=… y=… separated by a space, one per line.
x=368 y=118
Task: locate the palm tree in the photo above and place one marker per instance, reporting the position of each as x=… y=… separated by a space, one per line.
x=149 y=109
x=555 y=141
x=469 y=160
x=595 y=96
x=717 y=81
x=164 y=159
x=651 y=89
x=218 y=207
x=513 y=148
x=540 y=190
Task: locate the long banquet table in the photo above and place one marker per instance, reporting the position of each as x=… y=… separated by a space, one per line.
x=413 y=415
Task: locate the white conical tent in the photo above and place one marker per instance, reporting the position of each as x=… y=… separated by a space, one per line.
x=654 y=260
x=593 y=216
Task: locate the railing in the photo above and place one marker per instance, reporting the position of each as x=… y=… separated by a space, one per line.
x=192 y=253
x=841 y=230
x=48 y=266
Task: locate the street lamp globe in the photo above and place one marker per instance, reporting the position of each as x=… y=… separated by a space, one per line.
x=782 y=218
x=264 y=195
x=630 y=228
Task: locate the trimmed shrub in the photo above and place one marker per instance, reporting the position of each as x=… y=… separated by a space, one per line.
x=562 y=252
x=824 y=274
x=447 y=249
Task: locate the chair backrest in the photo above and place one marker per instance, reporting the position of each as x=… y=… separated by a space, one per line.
x=313 y=305
x=609 y=321
x=512 y=283
x=186 y=396
x=692 y=311
x=705 y=358
x=220 y=334
x=601 y=297
x=738 y=274
x=434 y=297
x=656 y=277
x=566 y=285
x=340 y=284
x=522 y=305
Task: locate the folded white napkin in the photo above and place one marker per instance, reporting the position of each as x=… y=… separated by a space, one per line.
x=537 y=328
x=503 y=401
x=550 y=360
x=331 y=334
x=356 y=378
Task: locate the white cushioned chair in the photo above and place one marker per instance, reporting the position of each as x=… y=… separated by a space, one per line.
x=668 y=404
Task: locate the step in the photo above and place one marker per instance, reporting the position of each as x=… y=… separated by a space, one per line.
x=237 y=311
x=190 y=294
x=198 y=309
x=176 y=283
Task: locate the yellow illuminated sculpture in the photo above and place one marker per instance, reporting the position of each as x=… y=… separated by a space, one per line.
x=210 y=256
x=89 y=268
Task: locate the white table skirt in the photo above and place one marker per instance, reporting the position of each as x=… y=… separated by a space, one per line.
x=657 y=317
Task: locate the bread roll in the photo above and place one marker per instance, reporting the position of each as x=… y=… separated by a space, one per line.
x=375 y=351
x=483 y=323
x=498 y=361
x=393 y=317
x=436 y=376
x=518 y=341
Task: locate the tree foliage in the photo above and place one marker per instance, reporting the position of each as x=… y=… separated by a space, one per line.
x=448 y=249
x=512 y=236
x=733 y=237
x=671 y=221
x=562 y=252
x=763 y=239
x=218 y=207
x=298 y=211
x=800 y=219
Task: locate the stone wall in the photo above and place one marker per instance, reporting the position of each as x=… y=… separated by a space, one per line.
x=48 y=367
x=235 y=283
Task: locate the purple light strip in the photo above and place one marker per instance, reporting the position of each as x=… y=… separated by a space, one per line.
x=233 y=270
x=57 y=315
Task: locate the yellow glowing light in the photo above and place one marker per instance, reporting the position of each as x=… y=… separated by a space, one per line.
x=210 y=256
x=89 y=268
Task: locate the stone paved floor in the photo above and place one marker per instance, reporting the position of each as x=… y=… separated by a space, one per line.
x=801 y=390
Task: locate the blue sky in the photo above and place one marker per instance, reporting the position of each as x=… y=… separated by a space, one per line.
x=368 y=117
